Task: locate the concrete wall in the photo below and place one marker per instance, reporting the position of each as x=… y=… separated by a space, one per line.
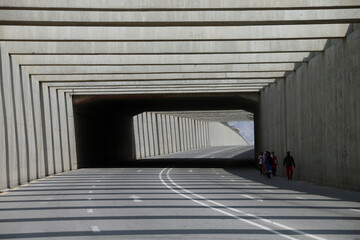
x=35 y=127
x=222 y=135
x=314 y=113
x=158 y=134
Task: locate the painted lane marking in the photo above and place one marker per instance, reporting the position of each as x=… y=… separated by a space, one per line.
x=248 y=196
x=135 y=198
x=355 y=210
x=216 y=209
x=95 y=229
x=90 y=211
x=235 y=210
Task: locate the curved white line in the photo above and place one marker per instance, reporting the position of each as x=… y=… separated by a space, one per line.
x=233 y=209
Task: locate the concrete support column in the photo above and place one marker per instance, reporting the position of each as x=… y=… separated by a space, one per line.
x=64 y=131
x=22 y=144
x=58 y=153
x=3 y=127
x=12 y=159
x=165 y=133
x=41 y=144
x=32 y=158
x=150 y=133
x=136 y=136
x=155 y=134
x=160 y=133
x=71 y=134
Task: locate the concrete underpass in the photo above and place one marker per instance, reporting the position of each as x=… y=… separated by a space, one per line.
x=115 y=119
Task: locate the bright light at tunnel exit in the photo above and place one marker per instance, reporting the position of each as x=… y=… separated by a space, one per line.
x=245 y=128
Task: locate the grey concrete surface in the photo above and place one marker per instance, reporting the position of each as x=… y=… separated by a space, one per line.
x=173 y=5
x=314 y=113
x=181 y=202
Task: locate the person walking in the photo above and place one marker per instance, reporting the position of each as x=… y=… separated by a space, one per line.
x=261 y=161
x=268 y=164
x=274 y=163
x=289 y=163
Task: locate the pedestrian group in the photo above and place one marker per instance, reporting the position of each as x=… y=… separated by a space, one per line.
x=268 y=163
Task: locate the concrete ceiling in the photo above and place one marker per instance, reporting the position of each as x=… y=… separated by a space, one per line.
x=90 y=47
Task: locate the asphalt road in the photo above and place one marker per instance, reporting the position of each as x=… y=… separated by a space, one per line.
x=178 y=201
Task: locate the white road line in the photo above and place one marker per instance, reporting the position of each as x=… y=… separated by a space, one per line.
x=355 y=210
x=248 y=196
x=216 y=209
x=235 y=210
x=90 y=211
x=95 y=228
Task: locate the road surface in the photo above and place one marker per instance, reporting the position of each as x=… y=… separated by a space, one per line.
x=178 y=201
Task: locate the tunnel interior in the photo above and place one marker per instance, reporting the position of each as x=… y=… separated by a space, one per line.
x=103 y=124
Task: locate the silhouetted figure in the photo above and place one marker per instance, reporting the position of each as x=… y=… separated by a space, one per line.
x=261 y=161
x=274 y=163
x=268 y=164
x=289 y=163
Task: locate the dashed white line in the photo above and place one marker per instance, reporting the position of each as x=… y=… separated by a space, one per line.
x=355 y=210
x=248 y=196
x=90 y=211
x=95 y=228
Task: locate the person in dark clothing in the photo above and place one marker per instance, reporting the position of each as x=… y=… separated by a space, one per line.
x=289 y=163
x=268 y=164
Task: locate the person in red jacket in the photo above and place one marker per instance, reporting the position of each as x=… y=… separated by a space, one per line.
x=289 y=163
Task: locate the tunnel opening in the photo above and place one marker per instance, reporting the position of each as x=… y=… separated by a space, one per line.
x=105 y=131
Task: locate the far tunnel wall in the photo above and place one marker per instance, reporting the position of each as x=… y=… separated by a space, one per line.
x=314 y=113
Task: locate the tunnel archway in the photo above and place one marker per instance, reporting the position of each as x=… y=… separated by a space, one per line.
x=103 y=124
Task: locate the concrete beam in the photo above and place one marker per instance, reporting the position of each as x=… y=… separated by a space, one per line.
x=216 y=116
x=178 y=18
x=174 y=4
x=173 y=47
x=105 y=84
x=46 y=33
x=160 y=77
x=185 y=59
x=80 y=70
x=163 y=91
